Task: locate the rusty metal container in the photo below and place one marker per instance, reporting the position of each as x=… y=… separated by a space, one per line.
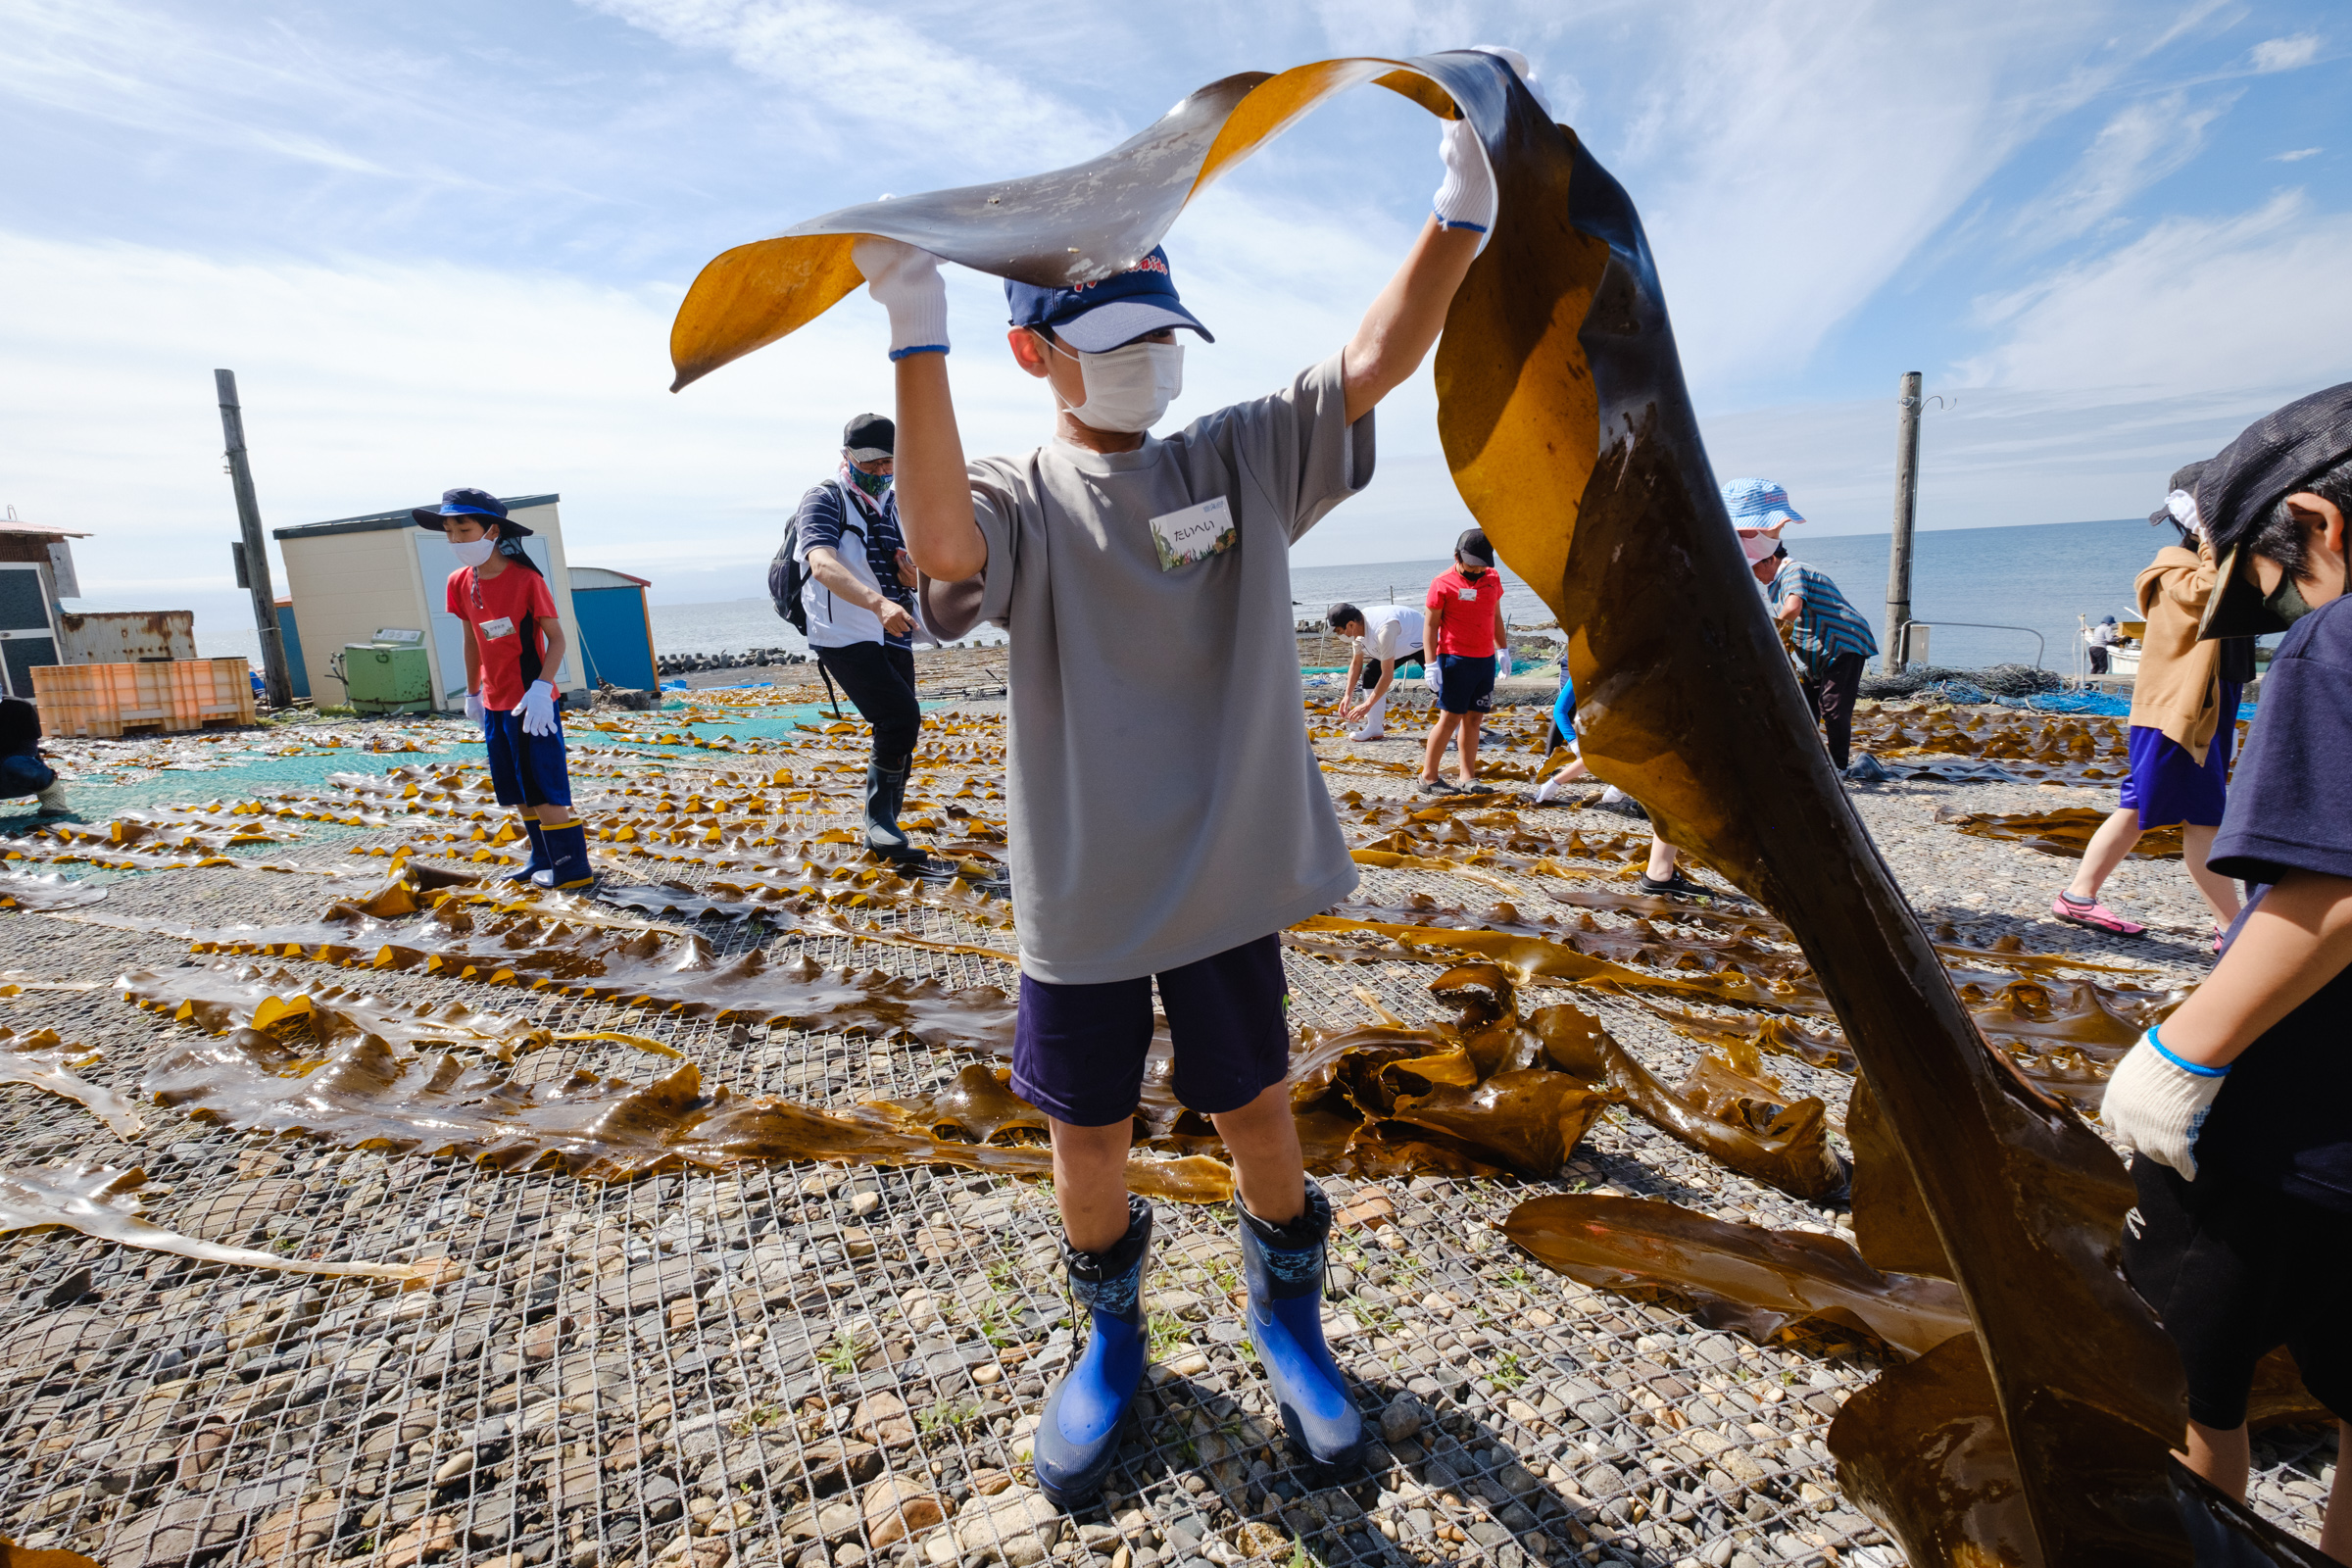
x=128 y=637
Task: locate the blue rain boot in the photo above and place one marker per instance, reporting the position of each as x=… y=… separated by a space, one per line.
x=1078 y=1435
x=540 y=859
x=1283 y=1265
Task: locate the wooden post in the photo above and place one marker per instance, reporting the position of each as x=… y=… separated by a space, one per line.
x=1906 y=512
x=274 y=678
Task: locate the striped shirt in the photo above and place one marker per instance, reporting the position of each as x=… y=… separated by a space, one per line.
x=1828 y=627
x=822 y=522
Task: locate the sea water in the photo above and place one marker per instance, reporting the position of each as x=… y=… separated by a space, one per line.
x=2040 y=578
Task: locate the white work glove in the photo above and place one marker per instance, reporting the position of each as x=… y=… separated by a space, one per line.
x=538 y=709
x=1502 y=663
x=473 y=708
x=1465 y=197
x=2156 y=1103
x=906 y=283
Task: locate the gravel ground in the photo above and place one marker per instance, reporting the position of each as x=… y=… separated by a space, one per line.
x=828 y=1368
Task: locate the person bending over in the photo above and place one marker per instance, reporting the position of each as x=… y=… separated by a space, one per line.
x=23 y=769
x=1464 y=629
x=1167 y=817
x=2235 y=1105
x=1387 y=637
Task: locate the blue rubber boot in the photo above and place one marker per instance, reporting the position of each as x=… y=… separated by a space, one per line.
x=1078 y=1435
x=540 y=859
x=1283 y=1265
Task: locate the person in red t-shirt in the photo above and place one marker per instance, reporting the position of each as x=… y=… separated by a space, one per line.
x=513 y=635
x=1462 y=630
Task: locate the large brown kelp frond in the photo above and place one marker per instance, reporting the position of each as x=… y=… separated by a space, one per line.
x=1570 y=434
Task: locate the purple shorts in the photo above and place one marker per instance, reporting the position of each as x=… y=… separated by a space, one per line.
x=2167 y=787
x=1078 y=1050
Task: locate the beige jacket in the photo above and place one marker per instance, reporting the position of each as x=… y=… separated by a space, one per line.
x=2175 y=690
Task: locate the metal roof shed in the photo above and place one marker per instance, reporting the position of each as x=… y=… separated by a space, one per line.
x=351 y=576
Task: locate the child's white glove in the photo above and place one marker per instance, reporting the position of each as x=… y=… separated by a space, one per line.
x=905 y=281
x=2156 y=1103
x=1465 y=197
x=539 y=710
x=473 y=708
x=1502 y=663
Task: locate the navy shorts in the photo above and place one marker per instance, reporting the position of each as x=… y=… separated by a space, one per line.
x=1078 y=1050
x=2167 y=786
x=1465 y=685
x=525 y=769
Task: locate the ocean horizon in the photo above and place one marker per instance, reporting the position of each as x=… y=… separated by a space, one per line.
x=2036 y=576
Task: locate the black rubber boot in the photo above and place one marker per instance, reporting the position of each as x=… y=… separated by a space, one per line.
x=885 y=788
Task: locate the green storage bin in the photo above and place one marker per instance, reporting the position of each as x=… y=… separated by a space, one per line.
x=381 y=679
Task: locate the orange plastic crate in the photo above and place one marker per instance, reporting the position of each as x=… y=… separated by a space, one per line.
x=105 y=700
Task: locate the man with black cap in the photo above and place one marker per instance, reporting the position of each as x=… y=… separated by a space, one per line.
x=858 y=595
x=2237 y=1105
x=1167 y=817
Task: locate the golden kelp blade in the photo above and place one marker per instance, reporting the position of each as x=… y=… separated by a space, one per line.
x=1074 y=225
x=1570 y=434
x=102 y=1202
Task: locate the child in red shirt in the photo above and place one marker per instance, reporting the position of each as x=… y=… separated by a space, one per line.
x=1462 y=630
x=512 y=636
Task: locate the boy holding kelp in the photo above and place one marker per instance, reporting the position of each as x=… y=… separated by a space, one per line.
x=1167 y=815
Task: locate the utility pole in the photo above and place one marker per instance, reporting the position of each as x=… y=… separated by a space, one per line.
x=256 y=553
x=1906 y=512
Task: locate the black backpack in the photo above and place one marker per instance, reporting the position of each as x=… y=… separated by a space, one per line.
x=788 y=573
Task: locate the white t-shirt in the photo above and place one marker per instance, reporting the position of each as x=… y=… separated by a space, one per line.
x=1389 y=632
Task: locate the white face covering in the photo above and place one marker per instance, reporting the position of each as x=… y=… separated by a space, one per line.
x=475 y=552
x=1127 y=388
x=1758 y=546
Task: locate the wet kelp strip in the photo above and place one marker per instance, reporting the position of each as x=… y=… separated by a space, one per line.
x=104 y=1202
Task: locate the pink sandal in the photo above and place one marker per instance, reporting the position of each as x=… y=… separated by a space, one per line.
x=2095 y=914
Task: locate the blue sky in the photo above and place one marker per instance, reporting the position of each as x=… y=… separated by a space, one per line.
x=441 y=243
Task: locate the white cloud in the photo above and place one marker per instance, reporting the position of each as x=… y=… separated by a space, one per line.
x=1790 y=159
x=2286 y=54
x=2141 y=144
x=2254 y=300
x=2295 y=157
x=896 y=80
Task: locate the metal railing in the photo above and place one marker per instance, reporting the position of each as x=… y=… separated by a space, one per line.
x=2041 y=644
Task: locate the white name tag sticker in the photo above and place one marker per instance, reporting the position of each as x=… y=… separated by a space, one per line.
x=500 y=627
x=1193 y=534
x=1470 y=594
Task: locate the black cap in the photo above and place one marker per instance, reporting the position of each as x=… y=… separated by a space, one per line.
x=869 y=438
x=1473 y=546
x=2270 y=459
x=1341 y=613
x=468 y=503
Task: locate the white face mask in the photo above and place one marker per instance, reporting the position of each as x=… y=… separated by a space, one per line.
x=1127 y=388
x=475 y=552
x=1758 y=546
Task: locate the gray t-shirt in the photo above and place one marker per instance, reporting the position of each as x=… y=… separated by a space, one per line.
x=1163 y=804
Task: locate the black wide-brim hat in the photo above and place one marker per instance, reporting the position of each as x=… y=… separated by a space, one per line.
x=468 y=503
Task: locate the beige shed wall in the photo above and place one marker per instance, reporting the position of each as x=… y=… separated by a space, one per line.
x=345 y=586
